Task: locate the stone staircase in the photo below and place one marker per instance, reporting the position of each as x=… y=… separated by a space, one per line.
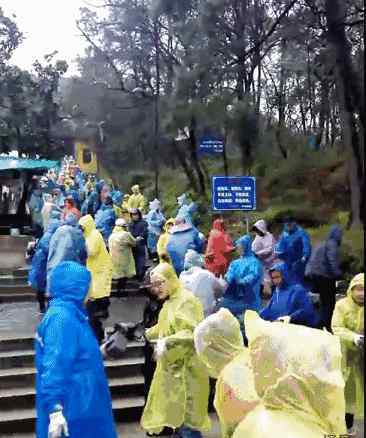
x=17 y=386
x=14 y=287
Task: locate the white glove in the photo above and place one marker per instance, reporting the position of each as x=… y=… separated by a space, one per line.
x=285 y=319
x=160 y=348
x=358 y=340
x=58 y=425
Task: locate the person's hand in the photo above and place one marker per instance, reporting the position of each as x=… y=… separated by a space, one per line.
x=58 y=425
x=160 y=348
x=285 y=319
x=358 y=340
x=103 y=351
x=139 y=238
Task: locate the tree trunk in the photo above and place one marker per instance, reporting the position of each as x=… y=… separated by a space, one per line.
x=185 y=166
x=194 y=157
x=156 y=109
x=350 y=104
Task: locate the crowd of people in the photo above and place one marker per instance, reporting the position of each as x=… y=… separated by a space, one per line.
x=90 y=233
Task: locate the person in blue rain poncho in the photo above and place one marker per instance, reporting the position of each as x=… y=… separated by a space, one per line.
x=244 y=278
x=155 y=221
x=73 y=397
x=290 y=301
x=37 y=276
x=105 y=219
x=183 y=236
x=93 y=202
x=67 y=244
x=294 y=248
x=186 y=208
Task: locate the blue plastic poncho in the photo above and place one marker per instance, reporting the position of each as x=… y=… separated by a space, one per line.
x=37 y=276
x=290 y=299
x=325 y=259
x=70 y=371
x=182 y=238
x=105 y=220
x=67 y=244
x=155 y=220
x=117 y=197
x=294 y=248
x=244 y=278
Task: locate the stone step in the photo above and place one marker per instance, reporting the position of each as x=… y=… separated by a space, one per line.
x=16 y=343
x=25 y=376
x=16 y=289
x=25 y=358
x=17 y=298
x=10 y=280
x=23 y=420
x=24 y=397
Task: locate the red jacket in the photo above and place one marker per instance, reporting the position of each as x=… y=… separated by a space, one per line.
x=219 y=249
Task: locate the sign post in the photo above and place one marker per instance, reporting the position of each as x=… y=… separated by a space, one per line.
x=234 y=193
x=211 y=144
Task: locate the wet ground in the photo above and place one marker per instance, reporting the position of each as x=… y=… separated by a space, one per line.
x=21 y=319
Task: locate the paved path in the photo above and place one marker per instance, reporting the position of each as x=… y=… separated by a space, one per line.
x=21 y=319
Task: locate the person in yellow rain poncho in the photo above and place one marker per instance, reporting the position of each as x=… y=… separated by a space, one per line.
x=219 y=344
x=348 y=324
x=125 y=214
x=137 y=199
x=178 y=396
x=120 y=245
x=99 y=263
x=163 y=242
x=298 y=377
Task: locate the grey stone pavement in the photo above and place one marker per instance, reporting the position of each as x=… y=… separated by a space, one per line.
x=21 y=319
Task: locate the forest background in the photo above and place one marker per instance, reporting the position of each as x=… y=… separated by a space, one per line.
x=282 y=81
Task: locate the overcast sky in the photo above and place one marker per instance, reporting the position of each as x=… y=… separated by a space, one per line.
x=47 y=25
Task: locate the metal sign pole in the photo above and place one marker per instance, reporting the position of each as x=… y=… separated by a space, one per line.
x=247 y=222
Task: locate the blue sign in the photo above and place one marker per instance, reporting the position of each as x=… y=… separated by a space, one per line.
x=211 y=144
x=234 y=193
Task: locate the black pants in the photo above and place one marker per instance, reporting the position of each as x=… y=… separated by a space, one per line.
x=97 y=311
x=42 y=301
x=326 y=288
x=121 y=284
x=349 y=420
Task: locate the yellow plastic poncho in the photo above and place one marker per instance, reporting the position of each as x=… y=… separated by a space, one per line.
x=120 y=245
x=163 y=241
x=218 y=340
x=348 y=320
x=297 y=375
x=136 y=200
x=118 y=210
x=180 y=387
x=99 y=261
x=220 y=346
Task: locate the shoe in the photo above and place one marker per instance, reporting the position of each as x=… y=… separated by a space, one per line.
x=352 y=431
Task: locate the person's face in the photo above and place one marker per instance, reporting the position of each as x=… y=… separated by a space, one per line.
x=358 y=294
x=290 y=226
x=258 y=232
x=135 y=217
x=241 y=250
x=68 y=204
x=276 y=278
x=135 y=190
x=159 y=288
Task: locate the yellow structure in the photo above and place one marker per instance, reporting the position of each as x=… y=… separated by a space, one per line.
x=86 y=158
